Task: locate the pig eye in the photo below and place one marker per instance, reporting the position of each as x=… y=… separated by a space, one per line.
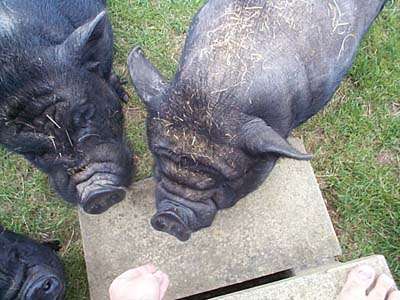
x=46 y=285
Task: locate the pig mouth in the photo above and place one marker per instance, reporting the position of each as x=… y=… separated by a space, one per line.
x=99 y=187
x=51 y=283
x=179 y=216
x=173 y=220
x=41 y=282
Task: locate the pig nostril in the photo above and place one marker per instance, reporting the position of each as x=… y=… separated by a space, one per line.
x=47 y=286
x=102 y=199
x=177 y=229
x=160 y=224
x=114 y=198
x=170 y=223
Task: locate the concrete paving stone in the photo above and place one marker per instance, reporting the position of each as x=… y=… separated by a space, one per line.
x=283 y=225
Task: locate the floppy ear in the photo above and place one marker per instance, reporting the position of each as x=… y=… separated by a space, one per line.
x=81 y=45
x=149 y=84
x=259 y=139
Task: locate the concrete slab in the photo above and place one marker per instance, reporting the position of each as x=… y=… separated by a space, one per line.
x=283 y=225
x=324 y=283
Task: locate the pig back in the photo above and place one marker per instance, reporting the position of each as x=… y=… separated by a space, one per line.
x=280 y=59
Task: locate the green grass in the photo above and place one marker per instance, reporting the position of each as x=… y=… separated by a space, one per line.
x=355 y=141
x=357 y=145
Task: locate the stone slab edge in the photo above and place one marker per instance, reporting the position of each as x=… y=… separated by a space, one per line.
x=324 y=282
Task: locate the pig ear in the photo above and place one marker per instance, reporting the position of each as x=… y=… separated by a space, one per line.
x=259 y=139
x=81 y=44
x=149 y=84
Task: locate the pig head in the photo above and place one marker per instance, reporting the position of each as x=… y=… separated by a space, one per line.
x=29 y=270
x=60 y=104
x=250 y=72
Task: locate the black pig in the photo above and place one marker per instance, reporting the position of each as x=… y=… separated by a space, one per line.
x=29 y=270
x=250 y=72
x=60 y=104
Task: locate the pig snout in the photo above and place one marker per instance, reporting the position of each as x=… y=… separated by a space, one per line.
x=180 y=217
x=104 y=180
x=42 y=284
x=100 y=194
x=173 y=219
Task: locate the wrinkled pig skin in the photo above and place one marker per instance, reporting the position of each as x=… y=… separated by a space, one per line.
x=60 y=103
x=250 y=72
x=29 y=270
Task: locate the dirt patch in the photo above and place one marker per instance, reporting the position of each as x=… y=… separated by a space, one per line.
x=315 y=139
x=134 y=113
x=395 y=109
x=330 y=198
x=340 y=97
x=368 y=110
x=385 y=158
x=323 y=185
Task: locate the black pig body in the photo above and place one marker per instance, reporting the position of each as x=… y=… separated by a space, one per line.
x=251 y=71
x=29 y=270
x=60 y=104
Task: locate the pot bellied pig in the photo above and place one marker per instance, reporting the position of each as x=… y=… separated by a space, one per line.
x=60 y=103
x=29 y=270
x=250 y=72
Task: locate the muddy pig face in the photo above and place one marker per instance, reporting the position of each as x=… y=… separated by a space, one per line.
x=94 y=166
x=68 y=120
x=207 y=156
x=29 y=270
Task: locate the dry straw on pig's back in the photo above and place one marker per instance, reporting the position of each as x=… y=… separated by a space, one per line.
x=235 y=45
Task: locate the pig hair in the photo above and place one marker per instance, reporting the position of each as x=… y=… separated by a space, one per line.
x=11 y=272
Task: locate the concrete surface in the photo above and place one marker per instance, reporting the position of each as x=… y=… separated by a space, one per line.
x=283 y=225
x=324 y=283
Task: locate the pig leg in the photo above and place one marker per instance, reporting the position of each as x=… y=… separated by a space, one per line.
x=54 y=245
x=117 y=85
x=180 y=217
